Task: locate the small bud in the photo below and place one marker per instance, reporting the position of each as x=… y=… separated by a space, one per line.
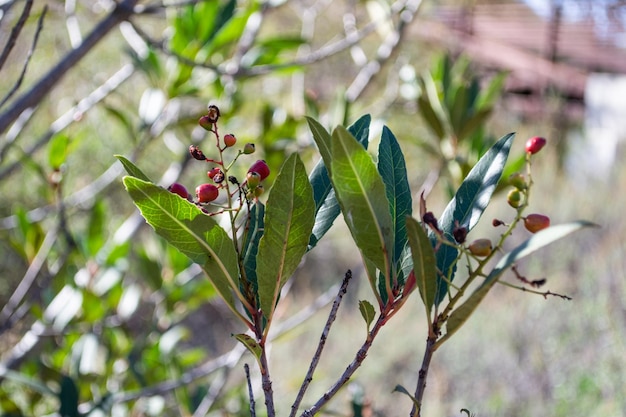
x=213 y=113
x=534 y=144
x=261 y=168
x=480 y=247
x=497 y=222
x=179 y=189
x=459 y=233
x=229 y=140
x=518 y=181
x=430 y=219
x=248 y=148
x=253 y=180
x=196 y=153
x=514 y=198
x=205 y=193
x=205 y=123
x=233 y=180
x=536 y=222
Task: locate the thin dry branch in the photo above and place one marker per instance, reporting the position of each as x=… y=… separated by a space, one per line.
x=15 y=32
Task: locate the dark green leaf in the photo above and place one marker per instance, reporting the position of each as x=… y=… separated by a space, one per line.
x=132 y=169
x=424 y=267
x=251 y=245
x=68 y=398
x=540 y=239
x=191 y=231
x=326 y=205
x=361 y=194
x=468 y=204
x=289 y=218
x=402 y=390
x=431 y=118
x=367 y=311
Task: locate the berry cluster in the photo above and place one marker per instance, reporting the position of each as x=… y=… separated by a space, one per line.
x=218 y=173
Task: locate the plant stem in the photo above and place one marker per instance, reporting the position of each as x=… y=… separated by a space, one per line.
x=267 y=385
x=416 y=411
x=318 y=353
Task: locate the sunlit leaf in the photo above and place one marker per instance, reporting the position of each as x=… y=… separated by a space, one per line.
x=57 y=150
x=132 y=169
x=191 y=231
x=367 y=311
x=289 y=218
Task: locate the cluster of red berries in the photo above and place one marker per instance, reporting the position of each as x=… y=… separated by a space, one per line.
x=206 y=193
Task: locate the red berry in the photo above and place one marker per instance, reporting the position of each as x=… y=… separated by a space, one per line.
x=213 y=172
x=179 y=189
x=229 y=140
x=261 y=168
x=534 y=144
x=536 y=222
x=205 y=123
x=206 y=193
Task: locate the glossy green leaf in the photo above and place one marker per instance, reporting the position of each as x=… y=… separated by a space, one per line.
x=424 y=264
x=191 y=231
x=392 y=169
x=326 y=204
x=132 y=169
x=367 y=311
x=361 y=194
x=540 y=239
x=468 y=204
x=289 y=218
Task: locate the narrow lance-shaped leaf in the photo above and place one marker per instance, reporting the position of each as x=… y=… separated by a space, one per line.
x=361 y=194
x=542 y=238
x=423 y=262
x=468 y=205
x=392 y=169
x=326 y=205
x=191 y=231
x=251 y=244
x=132 y=169
x=289 y=218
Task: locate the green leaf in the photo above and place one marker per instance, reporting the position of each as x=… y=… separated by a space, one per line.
x=360 y=191
x=289 y=218
x=57 y=150
x=367 y=311
x=392 y=169
x=132 y=169
x=251 y=245
x=191 y=231
x=326 y=204
x=322 y=139
x=540 y=239
x=424 y=263
x=431 y=118
x=402 y=390
x=96 y=228
x=68 y=398
x=251 y=344
x=468 y=205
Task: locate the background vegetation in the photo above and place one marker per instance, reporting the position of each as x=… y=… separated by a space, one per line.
x=98 y=310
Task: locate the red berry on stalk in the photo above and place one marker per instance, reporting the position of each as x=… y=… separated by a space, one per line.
x=534 y=144
x=179 y=189
x=261 y=168
x=213 y=172
x=536 y=222
x=229 y=140
x=205 y=193
x=480 y=247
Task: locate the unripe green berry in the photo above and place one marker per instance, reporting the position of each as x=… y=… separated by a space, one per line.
x=253 y=179
x=248 y=148
x=514 y=198
x=205 y=193
x=229 y=140
x=480 y=247
x=258 y=191
x=518 y=181
x=536 y=222
x=205 y=123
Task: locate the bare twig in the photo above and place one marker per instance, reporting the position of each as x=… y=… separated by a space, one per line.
x=320 y=347
x=37 y=92
x=423 y=374
x=15 y=32
x=250 y=392
x=29 y=55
